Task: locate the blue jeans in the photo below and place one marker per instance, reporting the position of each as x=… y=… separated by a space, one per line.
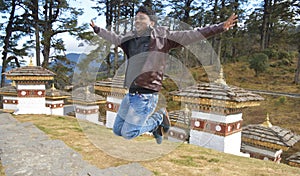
x=135 y=115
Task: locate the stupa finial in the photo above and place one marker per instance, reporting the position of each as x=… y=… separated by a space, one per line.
x=13 y=84
x=30 y=62
x=220 y=79
x=267 y=122
x=53 y=87
x=87 y=90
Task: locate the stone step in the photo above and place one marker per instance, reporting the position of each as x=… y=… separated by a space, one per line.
x=26 y=150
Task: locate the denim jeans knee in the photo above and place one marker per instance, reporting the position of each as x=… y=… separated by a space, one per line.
x=118 y=124
x=130 y=134
x=117 y=132
x=134 y=119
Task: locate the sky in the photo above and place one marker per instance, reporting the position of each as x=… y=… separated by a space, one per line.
x=71 y=43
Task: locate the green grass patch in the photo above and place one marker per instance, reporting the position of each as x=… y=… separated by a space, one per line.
x=2 y=173
x=44 y=129
x=213 y=160
x=78 y=129
x=156 y=173
x=202 y=158
x=185 y=161
x=77 y=148
x=60 y=118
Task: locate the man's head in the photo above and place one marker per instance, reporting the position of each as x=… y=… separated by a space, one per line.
x=144 y=19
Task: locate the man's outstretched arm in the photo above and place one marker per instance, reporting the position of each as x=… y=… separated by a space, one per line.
x=106 y=35
x=191 y=36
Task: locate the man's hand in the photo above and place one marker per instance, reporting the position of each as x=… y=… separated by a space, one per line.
x=92 y=24
x=230 y=22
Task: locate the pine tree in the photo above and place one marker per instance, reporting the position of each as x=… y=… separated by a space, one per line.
x=277 y=18
x=15 y=29
x=53 y=22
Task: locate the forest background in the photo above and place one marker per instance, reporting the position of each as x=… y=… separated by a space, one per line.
x=267 y=30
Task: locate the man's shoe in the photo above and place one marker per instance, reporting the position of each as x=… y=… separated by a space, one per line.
x=157 y=133
x=166 y=124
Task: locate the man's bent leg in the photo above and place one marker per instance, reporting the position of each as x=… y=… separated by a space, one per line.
x=138 y=121
x=118 y=124
x=130 y=130
x=121 y=115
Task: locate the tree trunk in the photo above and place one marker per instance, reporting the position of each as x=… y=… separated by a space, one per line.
x=109 y=17
x=108 y=65
x=6 y=41
x=214 y=21
x=269 y=24
x=37 y=32
x=219 y=47
x=219 y=37
x=264 y=26
x=234 y=33
x=297 y=74
x=47 y=32
x=117 y=30
x=46 y=50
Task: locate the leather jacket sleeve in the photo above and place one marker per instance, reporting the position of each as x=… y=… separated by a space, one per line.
x=187 y=37
x=108 y=35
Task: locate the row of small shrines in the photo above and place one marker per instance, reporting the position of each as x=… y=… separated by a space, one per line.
x=211 y=118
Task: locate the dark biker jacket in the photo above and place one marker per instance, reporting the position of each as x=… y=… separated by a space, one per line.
x=150 y=74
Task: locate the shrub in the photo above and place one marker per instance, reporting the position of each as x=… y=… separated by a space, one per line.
x=285 y=62
x=271 y=53
x=273 y=64
x=280 y=101
x=242 y=58
x=259 y=62
x=285 y=55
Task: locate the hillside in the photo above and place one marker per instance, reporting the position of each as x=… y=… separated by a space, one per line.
x=183 y=160
x=283 y=111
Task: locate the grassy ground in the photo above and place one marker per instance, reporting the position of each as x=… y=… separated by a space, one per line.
x=1 y=170
x=184 y=159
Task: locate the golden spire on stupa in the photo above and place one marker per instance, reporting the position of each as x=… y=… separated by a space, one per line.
x=30 y=62
x=53 y=87
x=221 y=79
x=13 y=84
x=267 y=122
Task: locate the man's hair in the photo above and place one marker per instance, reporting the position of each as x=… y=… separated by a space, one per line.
x=148 y=11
